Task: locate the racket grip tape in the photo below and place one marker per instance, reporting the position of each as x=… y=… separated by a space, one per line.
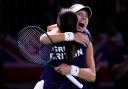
x=73 y=80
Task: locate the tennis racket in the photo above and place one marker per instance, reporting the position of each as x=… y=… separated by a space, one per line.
x=35 y=51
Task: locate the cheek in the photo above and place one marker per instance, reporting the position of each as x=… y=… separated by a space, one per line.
x=87 y=20
x=78 y=17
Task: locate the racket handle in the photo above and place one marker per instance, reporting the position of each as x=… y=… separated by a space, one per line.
x=73 y=80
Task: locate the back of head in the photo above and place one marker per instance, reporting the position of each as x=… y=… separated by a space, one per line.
x=67 y=20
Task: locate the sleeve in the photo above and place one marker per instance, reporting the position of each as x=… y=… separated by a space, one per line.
x=86 y=32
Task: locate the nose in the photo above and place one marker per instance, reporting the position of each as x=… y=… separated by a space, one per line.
x=83 y=18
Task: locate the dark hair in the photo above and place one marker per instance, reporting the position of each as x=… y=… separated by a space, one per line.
x=67 y=20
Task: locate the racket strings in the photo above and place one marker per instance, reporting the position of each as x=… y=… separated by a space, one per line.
x=35 y=51
x=30 y=46
x=28 y=42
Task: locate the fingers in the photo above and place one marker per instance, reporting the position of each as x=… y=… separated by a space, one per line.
x=50 y=27
x=81 y=38
x=63 y=69
x=57 y=69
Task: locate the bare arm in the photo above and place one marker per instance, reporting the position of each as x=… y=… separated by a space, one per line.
x=88 y=73
x=59 y=37
x=54 y=33
x=56 y=37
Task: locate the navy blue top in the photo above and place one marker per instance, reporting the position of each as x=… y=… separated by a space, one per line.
x=54 y=80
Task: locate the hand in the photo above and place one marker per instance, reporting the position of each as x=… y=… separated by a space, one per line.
x=53 y=28
x=81 y=38
x=63 y=69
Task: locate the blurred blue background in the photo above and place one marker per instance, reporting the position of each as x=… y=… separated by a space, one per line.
x=108 y=27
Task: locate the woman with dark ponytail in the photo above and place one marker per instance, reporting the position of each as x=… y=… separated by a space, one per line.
x=79 y=61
